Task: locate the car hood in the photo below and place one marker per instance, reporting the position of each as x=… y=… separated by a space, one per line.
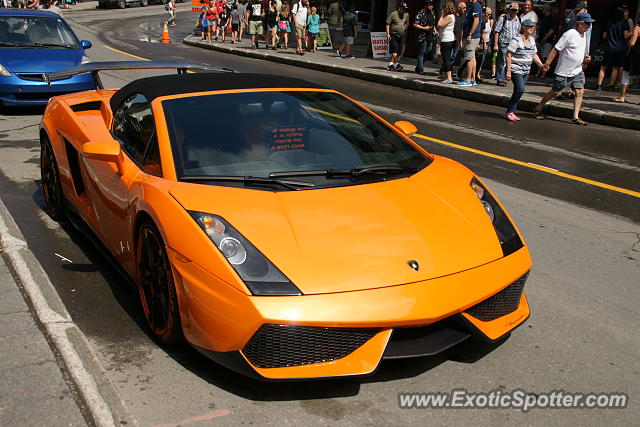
x=39 y=60
x=357 y=237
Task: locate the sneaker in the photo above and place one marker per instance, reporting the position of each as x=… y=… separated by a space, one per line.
x=390 y=67
x=446 y=82
x=599 y=87
x=339 y=54
x=474 y=83
x=512 y=117
x=399 y=67
x=465 y=83
x=501 y=84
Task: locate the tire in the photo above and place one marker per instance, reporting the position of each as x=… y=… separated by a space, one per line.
x=144 y=3
x=156 y=286
x=50 y=180
x=122 y=4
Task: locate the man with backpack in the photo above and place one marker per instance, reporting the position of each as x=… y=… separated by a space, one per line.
x=507 y=27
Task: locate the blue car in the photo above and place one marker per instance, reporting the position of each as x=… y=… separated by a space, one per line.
x=33 y=43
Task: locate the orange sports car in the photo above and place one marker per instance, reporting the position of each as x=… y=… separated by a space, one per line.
x=279 y=227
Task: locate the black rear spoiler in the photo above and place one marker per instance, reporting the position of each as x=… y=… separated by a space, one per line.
x=95 y=67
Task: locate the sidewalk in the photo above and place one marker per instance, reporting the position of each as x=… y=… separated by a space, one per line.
x=32 y=388
x=597 y=106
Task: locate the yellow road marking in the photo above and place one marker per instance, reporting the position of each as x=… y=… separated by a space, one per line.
x=533 y=166
x=326 y=113
x=125 y=53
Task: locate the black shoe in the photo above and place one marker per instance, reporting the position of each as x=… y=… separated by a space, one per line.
x=422 y=73
x=391 y=67
x=399 y=67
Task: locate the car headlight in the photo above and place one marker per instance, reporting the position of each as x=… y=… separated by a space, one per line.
x=507 y=235
x=258 y=273
x=4 y=71
x=85 y=59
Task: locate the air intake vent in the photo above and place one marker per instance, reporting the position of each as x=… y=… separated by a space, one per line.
x=87 y=106
x=276 y=346
x=504 y=302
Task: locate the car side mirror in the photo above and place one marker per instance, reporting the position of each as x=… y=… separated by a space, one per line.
x=405 y=127
x=86 y=44
x=106 y=151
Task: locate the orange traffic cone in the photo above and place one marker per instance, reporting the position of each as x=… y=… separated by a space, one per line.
x=165 y=34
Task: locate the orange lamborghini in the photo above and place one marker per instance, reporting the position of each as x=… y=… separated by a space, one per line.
x=279 y=227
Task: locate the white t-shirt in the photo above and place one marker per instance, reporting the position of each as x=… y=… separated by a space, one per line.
x=571 y=51
x=446 y=33
x=300 y=12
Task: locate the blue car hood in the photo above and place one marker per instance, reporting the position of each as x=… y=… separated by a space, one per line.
x=39 y=60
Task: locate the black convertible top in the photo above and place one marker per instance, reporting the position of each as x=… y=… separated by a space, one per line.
x=153 y=87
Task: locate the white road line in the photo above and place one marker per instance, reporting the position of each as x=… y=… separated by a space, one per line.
x=543 y=166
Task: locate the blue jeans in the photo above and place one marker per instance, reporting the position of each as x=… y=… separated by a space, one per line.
x=501 y=61
x=519 y=80
x=454 y=51
x=424 y=47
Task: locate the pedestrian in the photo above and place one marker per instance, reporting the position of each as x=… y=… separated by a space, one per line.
x=242 y=9
x=313 y=25
x=299 y=12
x=235 y=23
x=22 y=4
x=425 y=30
x=507 y=27
x=211 y=16
x=461 y=11
x=223 y=21
x=284 y=24
x=349 y=21
x=49 y=6
x=485 y=42
x=547 y=33
x=471 y=32
x=253 y=18
x=271 y=19
x=632 y=63
x=446 y=25
x=529 y=13
x=521 y=52
x=397 y=24
x=617 y=35
x=571 y=50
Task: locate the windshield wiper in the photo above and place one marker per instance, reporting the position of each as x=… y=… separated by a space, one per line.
x=66 y=46
x=377 y=168
x=8 y=44
x=291 y=185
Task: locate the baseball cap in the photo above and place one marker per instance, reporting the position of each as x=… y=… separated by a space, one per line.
x=527 y=23
x=428 y=2
x=585 y=17
x=580 y=6
x=513 y=6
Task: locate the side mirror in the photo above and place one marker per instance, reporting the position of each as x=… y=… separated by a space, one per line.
x=405 y=127
x=86 y=44
x=106 y=151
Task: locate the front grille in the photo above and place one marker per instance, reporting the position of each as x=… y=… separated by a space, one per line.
x=35 y=96
x=37 y=77
x=504 y=302
x=276 y=346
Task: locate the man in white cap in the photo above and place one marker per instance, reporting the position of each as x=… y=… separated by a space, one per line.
x=506 y=28
x=571 y=51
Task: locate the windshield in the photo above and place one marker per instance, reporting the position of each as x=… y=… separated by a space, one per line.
x=275 y=134
x=36 y=32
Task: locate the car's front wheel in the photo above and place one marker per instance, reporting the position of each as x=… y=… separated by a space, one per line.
x=156 y=286
x=50 y=180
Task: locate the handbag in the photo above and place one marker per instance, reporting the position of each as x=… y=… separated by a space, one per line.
x=283 y=25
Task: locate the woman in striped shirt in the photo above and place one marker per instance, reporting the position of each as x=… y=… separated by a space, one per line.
x=520 y=53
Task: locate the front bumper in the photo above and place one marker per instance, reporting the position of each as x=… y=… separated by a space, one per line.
x=30 y=89
x=351 y=331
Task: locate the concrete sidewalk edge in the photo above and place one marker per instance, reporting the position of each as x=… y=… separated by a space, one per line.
x=99 y=399
x=476 y=94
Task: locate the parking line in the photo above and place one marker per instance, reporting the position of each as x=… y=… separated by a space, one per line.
x=533 y=166
x=125 y=53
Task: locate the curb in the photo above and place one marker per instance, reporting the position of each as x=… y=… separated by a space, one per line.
x=483 y=96
x=100 y=401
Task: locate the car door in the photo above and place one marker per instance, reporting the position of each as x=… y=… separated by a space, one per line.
x=111 y=184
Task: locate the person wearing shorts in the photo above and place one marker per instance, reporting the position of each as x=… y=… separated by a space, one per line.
x=631 y=68
x=471 y=32
x=571 y=51
x=349 y=22
x=254 y=16
x=396 y=29
x=211 y=19
x=235 y=23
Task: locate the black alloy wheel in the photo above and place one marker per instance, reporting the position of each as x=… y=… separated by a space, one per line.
x=50 y=180
x=156 y=286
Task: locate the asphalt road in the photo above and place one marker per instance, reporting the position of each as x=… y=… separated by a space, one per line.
x=583 y=290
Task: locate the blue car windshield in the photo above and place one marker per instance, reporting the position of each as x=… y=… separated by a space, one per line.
x=271 y=133
x=36 y=32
